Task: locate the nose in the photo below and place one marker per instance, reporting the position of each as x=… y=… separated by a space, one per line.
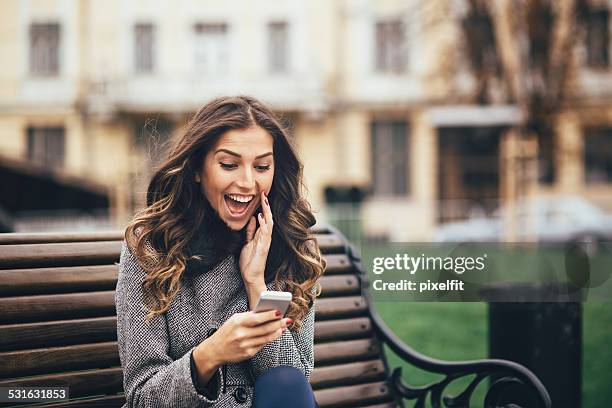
x=247 y=179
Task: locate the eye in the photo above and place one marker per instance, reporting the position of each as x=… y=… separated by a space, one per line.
x=228 y=166
x=263 y=168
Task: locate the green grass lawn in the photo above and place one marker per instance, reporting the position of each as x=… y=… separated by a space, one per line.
x=458 y=331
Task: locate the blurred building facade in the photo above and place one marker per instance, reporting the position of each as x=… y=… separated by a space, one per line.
x=374 y=92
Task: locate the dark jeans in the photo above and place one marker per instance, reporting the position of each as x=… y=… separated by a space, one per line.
x=282 y=387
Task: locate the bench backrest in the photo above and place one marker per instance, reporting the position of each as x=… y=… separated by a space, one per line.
x=58 y=324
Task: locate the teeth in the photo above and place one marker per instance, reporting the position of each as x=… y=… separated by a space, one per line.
x=240 y=198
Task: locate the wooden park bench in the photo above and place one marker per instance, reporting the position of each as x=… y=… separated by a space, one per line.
x=58 y=328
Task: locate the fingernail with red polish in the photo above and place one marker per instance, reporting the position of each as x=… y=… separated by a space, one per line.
x=278 y=313
x=289 y=321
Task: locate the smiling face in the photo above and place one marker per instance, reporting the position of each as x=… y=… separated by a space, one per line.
x=235 y=172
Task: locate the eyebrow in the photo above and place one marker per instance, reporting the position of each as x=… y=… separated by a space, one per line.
x=237 y=155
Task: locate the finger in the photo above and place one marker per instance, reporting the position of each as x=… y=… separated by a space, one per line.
x=253 y=319
x=261 y=219
x=270 y=327
x=267 y=212
x=250 y=232
x=260 y=341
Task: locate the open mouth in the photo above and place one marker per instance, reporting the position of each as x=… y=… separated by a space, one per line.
x=238 y=204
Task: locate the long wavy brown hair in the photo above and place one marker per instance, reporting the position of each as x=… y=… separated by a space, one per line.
x=159 y=235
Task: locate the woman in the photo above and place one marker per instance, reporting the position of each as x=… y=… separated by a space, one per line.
x=224 y=221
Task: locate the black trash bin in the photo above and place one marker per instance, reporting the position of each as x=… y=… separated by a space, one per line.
x=540 y=327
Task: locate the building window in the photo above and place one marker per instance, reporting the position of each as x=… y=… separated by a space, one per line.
x=211 y=48
x=598 y=155
x=546 y=158
x=390 y=158
x=144 y=48
x=44 y=49
x=46 y=146
x=539 y=35
x=390 y=47
x=278 y=47
x=598 y=39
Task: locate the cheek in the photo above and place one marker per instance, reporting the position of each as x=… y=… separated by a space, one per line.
x=212 y=186
x=265 y=182
x=217 y=181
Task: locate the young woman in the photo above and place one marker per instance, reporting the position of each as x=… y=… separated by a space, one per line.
x=225 y=220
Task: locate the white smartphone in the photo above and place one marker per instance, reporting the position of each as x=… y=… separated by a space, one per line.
x=273 y=300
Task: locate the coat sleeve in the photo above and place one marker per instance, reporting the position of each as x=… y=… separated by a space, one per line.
x=150 y=376
x=294 y=349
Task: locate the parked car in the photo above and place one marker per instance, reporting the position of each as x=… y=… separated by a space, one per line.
x=553 y=219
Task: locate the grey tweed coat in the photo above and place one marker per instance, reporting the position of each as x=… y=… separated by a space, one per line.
x=155 y=356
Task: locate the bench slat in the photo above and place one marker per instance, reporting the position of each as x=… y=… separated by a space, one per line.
x=52 y=307
x=81 y=383
x=62 y=254
x=84 y=356
x=343 y=329
x=347 y=374
x=67 y=332
x=110 y=401
x=340 y=285
x=330 y=243
x=58 y=333
x=346 y=351
x=337 y=263
x=53 y=359
x=354 y=395
x=92 y=304
x=48 y=237
x=109 y=381
x=15 y=238
x=25 y=282
x=95 y=253
x=117 y=401
x=340 y=307
x=38 y=362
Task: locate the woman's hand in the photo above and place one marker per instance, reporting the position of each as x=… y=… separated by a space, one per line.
x=240 y=338
x=255 y=252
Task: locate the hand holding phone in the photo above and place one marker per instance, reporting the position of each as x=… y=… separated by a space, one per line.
x=273 y=300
